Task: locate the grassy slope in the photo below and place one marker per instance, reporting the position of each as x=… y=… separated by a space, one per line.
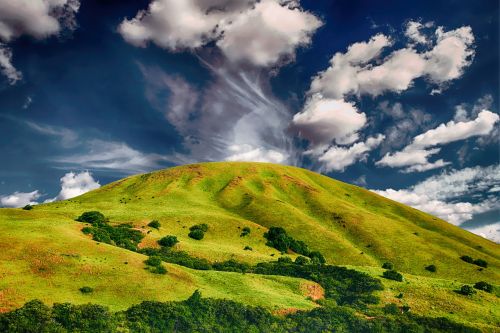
x=229 y=196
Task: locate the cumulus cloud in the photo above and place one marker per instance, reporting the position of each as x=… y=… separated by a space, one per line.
x=19 y=199
x=110 y=155
x=338 y=158
x=75 y=184
x=491 y=232
x=245 y=31
x=325 y=120
x=359 y=71
x=416 y=155
x=414 y=31
x=452 y=195
x=36 y=18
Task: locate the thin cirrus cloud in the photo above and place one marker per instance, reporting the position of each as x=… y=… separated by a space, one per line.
x=362 y=71
x=35 y=18
x=415 y=156
x=190 y=24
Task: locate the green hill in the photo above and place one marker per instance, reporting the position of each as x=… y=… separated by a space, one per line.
x=44 y=254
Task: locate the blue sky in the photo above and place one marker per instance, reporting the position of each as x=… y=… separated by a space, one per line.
x=402 y=101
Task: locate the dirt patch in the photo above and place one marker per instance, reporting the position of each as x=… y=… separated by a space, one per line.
x=148 y=242
x=299 y=183
x=315 y=291
x=6 y=297
x=284 y=312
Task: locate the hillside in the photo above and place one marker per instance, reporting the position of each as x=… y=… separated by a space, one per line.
x=44 y=254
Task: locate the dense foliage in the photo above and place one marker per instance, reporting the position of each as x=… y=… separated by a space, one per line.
x=154 y=224
x=485 y=286
x=177 y=257
x=393 y=275
x=480 y=262
x=468 y=259
x=278 y=238
x=122 y=235
x=245 y=231
x=168 y=241
x=198 y=314
x=198 y=231
x=388 y=265
x=28 y=207
x=431 y=268
x=467 y=290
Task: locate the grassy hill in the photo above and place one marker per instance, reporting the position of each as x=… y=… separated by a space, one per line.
x=44 y=254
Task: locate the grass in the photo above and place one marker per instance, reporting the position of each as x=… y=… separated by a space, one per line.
x=348 y=224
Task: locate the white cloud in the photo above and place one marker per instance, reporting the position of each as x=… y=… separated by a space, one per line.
x=75 y=184
x=414 y=31
x=338 y=158
x=358 y=72
x=66 y=137
x=445 y=195
x=259 y=154
x=244 y=30
x=416 y=155
x=36 y=18
x=19 y=199
x=491 y=232
x=325 y=120
x=117 y=156
x=6 y=67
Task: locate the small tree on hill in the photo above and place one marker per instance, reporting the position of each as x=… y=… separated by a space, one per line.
x=393 y=275
x=468 y=259
x=467 y=290
x=485 y=286
x=431 y=268
x=197 y=234
x=168 y=241
x=388 y=265
x=154 y=224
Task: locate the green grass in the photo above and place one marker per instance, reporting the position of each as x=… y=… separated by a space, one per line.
x=348 y=224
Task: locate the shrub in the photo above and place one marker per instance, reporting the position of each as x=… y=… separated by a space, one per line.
x=480 y=262
x=93 y=217
x=391 y=308
x=431 y=268
x=86 y=290
x=28 y=207
x=168 y=241
x=248 y=248
x=467 y=290
x=468 y=259
x=245 y=231
x=277 y=238
x=285 y=260
x=153 y=261
x=393 y=275
x=485 y=286
x=203 y=227
x=317 y=257
x=197 y=234
x=154 y=224
x=158 y=270
x=301 y=260
x=388 y=265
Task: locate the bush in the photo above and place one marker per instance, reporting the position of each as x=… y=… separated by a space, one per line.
x=28 y=207
x=93 y=217
x=485 y=286
x=480 y=262
x=197 y=234
x=388 y=265
x=317 y=257
x=391 y=308
x=158 y=270
x=277 y=238
x=203 y=227
x=153 y=261
x=468 y=259
x=393 y=275
x=301 y=260
x=431 y=268
x=467 y=290
x=245 y=231
x=154 y=224
x=168 y=241
x=86 y=290
x=285 y=260
x=248 y=248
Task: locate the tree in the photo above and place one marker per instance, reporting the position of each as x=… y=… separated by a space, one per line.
x=245 y=231
x=467 y=290
x=480 y=262
x=393 y=275
x=468 y=259
x=485 y=286
x=86 y=290
x=28 y=207
x=431 y=268
x=168 y=241
x=153 y=261
x=92 y=217
x=317 y=257
x=301 y=260
x=197 y=234
x=154 y=224
x=388 y=265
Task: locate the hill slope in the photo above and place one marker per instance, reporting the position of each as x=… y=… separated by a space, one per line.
x=45 y=255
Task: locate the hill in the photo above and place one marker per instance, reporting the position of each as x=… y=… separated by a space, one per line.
x=45 y=255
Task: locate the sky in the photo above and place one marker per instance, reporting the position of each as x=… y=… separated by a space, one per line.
x=402 y=100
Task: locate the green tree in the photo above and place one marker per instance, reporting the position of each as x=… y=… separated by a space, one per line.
x=168 y=241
